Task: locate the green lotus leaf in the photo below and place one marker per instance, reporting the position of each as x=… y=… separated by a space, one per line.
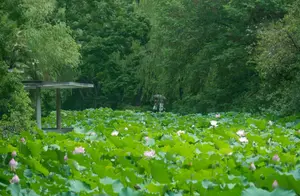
x=78 y=186
x=208 y=184
x=28 y=173
x=14 y=189
x=117 y=186
x=253 y=191
x=36 y=165
x=80 y=130
x=128 y=192
x=28 y=192
x=159 y=172
x=107 y=180
x=202 y=161
x=155 y=188
x=150 y=142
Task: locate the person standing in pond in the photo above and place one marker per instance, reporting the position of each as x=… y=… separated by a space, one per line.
x=158 y=103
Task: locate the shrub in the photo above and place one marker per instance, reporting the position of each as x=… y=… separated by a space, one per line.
x=15 y=110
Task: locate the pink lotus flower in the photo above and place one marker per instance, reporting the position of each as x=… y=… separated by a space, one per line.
x=214 y=123
x=149 y=154
x=13 y=164
x=252 y=167
x=15 y=179
x=65 y=158
x=275 y=184
x=241 y=133
x=218 y=115
x=276 y=157
x=243 y=140
x=115 y=133
x=78 y=150
x=180 y=132
x=23 y=140
x=14 y=154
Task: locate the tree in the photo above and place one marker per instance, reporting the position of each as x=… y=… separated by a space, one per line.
x=35 y=39
x=200 y=52
x=15 y=110
x=48 y=42
x=277 y=57
x=111 y=35
x=40 y=43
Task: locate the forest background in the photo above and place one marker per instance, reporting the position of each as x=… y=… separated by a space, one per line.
x=202 y=55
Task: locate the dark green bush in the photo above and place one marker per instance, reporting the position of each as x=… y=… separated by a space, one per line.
x=15 y=110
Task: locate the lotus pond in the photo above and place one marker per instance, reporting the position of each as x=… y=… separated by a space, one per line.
x=134 y=153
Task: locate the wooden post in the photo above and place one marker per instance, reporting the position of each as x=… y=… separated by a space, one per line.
x=58 y=109
x=38 y=107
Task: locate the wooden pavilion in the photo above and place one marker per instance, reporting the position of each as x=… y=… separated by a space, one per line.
x=38 y=85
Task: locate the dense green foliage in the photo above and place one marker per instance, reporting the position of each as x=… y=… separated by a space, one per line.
x=278 y=62
x=110 y=34
x=202 y=55
x=34 y=40
x=202 y=52
x=191 y=157
x=15 y=110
